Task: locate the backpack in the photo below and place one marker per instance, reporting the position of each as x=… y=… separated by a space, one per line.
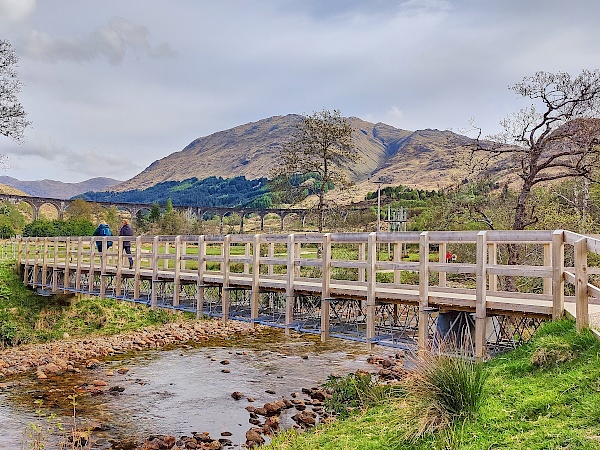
x=105 y=231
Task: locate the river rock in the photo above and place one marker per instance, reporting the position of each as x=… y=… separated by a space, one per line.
x=254 y=437
x=237 y=395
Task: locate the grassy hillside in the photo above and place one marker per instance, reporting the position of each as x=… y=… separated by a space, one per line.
x=544 y=395
x=26 y=317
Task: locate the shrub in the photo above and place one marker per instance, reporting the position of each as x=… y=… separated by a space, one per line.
x=441 y=390
x=355 y=392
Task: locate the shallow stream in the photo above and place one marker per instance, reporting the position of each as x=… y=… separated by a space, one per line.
x=179 y=391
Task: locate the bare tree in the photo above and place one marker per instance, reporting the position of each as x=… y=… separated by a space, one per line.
x=558 y=139
x=13 y=118
x=315 y=158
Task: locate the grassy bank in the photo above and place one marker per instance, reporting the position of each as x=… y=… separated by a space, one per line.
x=26 y=317
x=544 y=395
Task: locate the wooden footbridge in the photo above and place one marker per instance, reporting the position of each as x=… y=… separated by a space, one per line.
x=393 y=289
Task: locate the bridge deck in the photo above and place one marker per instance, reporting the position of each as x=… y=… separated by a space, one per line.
x=337 y=268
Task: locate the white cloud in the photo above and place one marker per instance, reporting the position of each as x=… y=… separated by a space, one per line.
x=14 y=11
x=111 y=41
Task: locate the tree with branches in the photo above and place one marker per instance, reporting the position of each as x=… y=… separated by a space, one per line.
x=556 y=138
x=13 y=118
x=315 y=159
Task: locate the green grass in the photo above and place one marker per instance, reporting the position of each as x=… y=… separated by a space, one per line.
x=544 y=395
x=26 y=317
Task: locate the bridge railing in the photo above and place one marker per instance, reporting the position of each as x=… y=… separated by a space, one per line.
x=350 y=264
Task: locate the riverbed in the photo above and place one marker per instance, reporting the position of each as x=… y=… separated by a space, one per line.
x=177 y=391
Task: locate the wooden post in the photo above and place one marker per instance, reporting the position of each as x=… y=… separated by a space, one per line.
x=36 y=252
x=119 y=275
x=166 y=261
x=103 y=261
x=480 y=295
x=289 y=287
x=177 y=274
x=361 y=257
x=558 y=279
x=26 y=262
x=137 y=262
x=79 y=262
x=55 y=265
x=371 y=284
x=582 y=317
x=423 y=333
x=225 y=271
x=297 y=254
x=493 y=260
x=154 y=294
x=67 y=267
x=200 y=281
x=548 y=262
x=325 y=286
x=443 y=248
x=271 y=252
x=92 y=263
x=45 y=263
x=247 y=255
x=255 y=277
x=20 y=256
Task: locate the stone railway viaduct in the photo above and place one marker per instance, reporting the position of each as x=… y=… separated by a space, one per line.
x=192 y=212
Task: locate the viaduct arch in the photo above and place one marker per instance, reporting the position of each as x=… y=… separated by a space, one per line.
x=192 y=212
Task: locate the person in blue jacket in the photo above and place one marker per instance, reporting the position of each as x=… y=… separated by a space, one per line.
x=103 y=230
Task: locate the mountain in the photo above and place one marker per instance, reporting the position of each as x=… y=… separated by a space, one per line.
x=5 y=189
x=425 y=159
x=58 y=189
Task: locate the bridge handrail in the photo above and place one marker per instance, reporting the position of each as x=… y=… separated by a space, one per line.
x=289 y=257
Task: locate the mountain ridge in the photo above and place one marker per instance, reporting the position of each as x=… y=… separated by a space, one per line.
x=59 y=189
x=423 y=158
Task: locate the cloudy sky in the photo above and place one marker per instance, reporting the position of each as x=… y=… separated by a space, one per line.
x=112 y=85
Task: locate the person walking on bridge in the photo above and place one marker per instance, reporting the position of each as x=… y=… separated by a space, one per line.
x=126 y=230
x=103 y=230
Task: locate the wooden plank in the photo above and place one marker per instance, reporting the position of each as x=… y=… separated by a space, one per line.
x=480 y=295
x=558 y=278
x=289 y=288
x=137 y=265
x=570 y=237
x=453 y=268
x=525 y=271
x=348 y=264
x=581 y=282
x=226 y=271
x=569 y=277
x=423 y=291
x=371 y=288
x=593 y=245
x=119 y=266
x=452 y=237
x=254 y=297
x=177 y=269
x=154 y=294
x=519 y=237
x=271 y=256
x=200 y=280
x=492 y=261
x=443 y=248
x=392 y=265
x=349 y=238
x=410 y=237
x=55 y=266
x=325 y=285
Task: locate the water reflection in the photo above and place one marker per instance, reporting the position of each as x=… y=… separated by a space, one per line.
x=182 y=390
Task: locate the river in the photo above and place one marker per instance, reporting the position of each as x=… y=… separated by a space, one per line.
x=177 y=391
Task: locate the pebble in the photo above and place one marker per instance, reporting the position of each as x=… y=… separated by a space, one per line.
x=65 y=355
